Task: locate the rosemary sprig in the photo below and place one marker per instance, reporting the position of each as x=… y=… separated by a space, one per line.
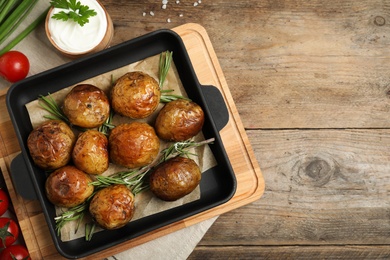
x=166 y=98
x=182 y=149
x=89 y=230
x=164 y=65
x=136 y=178
x=74 y=213
x=106 y=126
x=50 y=105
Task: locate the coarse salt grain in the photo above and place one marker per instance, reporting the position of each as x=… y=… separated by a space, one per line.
x=164 y=6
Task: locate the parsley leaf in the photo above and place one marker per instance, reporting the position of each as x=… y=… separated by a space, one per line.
x=74 y=11
x=63 y=4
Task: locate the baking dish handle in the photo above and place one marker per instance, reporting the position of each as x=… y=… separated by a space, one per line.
x=21 y=178
x=216 y=105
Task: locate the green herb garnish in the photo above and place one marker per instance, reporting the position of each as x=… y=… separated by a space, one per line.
x=107 y=125
x=164 y=66
x=74 y=213
x=166 y=98
x=49 y=104
x=135 y=177
x=89 y=230
x=74 y=11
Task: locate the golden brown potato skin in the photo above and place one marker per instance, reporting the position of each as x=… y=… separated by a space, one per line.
x=179 y=120
x=135 y=95
x=51 y=144
x=112 y=207
x=133 y=144
x=175 y=178
x=90 y=153
x=86 y=106
x=68 y=187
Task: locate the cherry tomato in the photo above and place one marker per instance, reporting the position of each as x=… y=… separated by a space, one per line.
x=14 y=66
x=9 y=232
x=4 y=201
x=13 y=252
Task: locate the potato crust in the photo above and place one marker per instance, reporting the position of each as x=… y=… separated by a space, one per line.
x=68 y=187
x=90 y=153
x=51 y=144
x=86 y=106
x=179 y=120
x=175 y=178
x=135 y=95
x=112 y=207
x=133 y=144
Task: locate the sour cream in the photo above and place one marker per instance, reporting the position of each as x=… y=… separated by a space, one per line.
x=71 y=37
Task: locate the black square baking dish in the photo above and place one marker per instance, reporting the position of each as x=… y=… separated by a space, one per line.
x=218 y=184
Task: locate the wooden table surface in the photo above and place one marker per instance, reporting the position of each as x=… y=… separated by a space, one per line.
x=311 y=83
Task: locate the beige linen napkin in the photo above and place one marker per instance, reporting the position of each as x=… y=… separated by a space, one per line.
x=175 y=246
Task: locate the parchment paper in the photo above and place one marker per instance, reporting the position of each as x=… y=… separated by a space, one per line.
x=146 y=203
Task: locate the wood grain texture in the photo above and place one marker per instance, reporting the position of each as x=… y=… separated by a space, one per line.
x=307 y=64
x=292 y=252
x=319 y=193
x=311 y=85
x=329 y=57
x=326 y=198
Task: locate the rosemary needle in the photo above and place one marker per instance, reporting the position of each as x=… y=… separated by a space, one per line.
x=49 y=104
x=166 y=98
x=164 y=65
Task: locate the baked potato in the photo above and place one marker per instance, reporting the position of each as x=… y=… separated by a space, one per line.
x=86 y=106
x=174 y=178
x=68 y=187
x=133 y=144
x=90 y=153
x=179 y=120
x=135 y=95
x=112 y=207
x=50 y=144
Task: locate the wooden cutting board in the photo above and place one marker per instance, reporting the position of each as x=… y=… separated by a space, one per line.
x=250 y=182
